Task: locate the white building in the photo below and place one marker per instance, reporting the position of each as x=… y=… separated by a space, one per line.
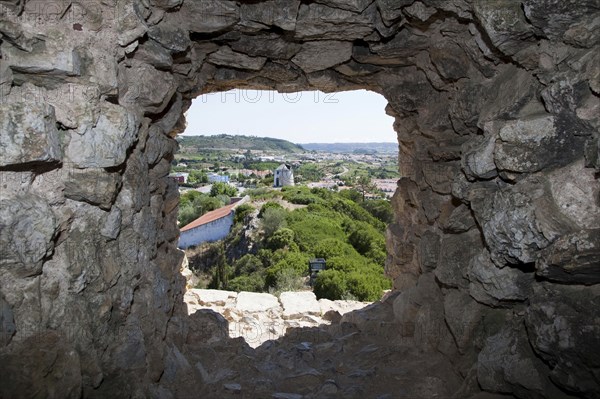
x=211 y=226
x=180 y=177
x=283 y=176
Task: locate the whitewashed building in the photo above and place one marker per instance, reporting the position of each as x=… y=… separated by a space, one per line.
x=211 y=226
x=283 y=176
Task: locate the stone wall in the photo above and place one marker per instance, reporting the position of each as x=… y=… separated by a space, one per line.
x=496 y=243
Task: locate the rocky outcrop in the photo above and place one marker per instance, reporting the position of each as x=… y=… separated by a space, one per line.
x=258 y=318
x=496 y=109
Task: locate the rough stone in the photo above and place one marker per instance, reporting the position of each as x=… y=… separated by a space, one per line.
x=420 y=11
x=478 y=159
x=518 y=221
x=7 y=323
x=215 y=297
x=227 y=57
x=299 y=303
x=57 y=373
x=316 y=56
x=172 y=38
x=506 y=364
x=463 y=315
x=559 y=21
x=429 y=249
x=210 y=15
x=391 y=9
x=135 y=90
x=572 y=259
x=271 y=46
x=520 y=146
x=459 y=221
x=506 y=90
x=154 y=54
x=353 y=5
x=28 y=229
x=279 y=13
x=454 y=256
x=505 y=24
x=404 y=44
x=93 y=185
x=493 y=286
x=317 y=21
x=60 y=63
x=28 y=134
x=565 y=337
x=105 y=144
x=255 y=302
x=574 y=189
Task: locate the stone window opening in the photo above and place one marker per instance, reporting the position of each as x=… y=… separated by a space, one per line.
x=495 y=106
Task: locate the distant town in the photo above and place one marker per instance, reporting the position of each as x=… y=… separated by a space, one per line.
x=250 y=162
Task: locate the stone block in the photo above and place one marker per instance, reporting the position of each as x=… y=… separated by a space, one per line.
x=104 y=144
x=256 y=302
x=297 y=304
x=494 y=286
x=28 y=134
x=316 y=56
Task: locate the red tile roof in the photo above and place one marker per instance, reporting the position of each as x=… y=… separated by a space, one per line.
x=210 y=217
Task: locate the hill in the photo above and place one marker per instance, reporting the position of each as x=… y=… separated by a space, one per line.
x=357 y=148
x=229 y=142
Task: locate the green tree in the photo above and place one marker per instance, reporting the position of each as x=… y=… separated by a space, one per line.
x=248 y=264
x=282 y=239
x=367 y=287
x=197 y=177
x=381 y=209
x=330 y=284
x=332 y=247
x=222 y=189
x=273 y=219
x=351 y=194
x=251 y=283
x=363 y=185
x=242 y=212
x=269 y=205
x=222 y=271
x=309 y=172
x=291 y=263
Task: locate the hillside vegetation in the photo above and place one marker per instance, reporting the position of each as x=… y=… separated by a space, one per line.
x=194 y=144
x=273 y=255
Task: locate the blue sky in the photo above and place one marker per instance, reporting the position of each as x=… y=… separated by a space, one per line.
x=303 y=117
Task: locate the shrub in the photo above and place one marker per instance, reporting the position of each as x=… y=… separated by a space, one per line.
x=312 y=228
x=273 y=219
x=346 y=264
x=367 y=287
x=381 y=209
x=295 y=261
x=287 y=280
x=187 y=213
x=300 y=195
x=331 y=247
x=248 y=264
x=262 y=193
x=351 y=194
x=268 y=205
x=252 y=283
x=241 y=212
x=365 y=239
x=282 y=239
x=330 y=284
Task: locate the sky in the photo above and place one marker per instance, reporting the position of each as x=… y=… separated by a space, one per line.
x=303 y=117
